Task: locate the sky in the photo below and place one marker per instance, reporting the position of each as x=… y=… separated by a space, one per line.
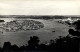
x=39 y=7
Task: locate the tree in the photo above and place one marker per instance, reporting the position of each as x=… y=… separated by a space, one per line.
x=14 y=47
x=77 y=25
x=6 y=47
x=71 y=31
x=33 y=42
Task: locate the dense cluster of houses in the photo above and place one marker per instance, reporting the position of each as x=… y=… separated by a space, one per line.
x=19 y=25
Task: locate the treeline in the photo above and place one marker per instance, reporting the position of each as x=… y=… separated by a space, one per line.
x=35 y=17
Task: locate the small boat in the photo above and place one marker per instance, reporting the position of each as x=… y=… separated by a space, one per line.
x=53 y=31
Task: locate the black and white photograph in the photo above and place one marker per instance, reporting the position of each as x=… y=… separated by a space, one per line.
x=39 y=26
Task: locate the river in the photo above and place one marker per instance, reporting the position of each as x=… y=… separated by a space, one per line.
x=45 y=34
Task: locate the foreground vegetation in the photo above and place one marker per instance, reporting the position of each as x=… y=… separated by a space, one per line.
x=61 y=44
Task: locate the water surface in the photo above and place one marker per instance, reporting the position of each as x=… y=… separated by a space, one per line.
x=45 y=34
